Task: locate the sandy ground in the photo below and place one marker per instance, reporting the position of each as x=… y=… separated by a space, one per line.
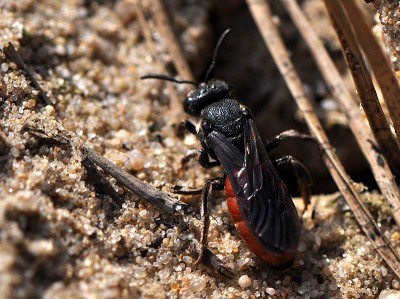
x=59 y=239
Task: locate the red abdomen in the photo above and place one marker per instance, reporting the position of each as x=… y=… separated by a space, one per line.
x=281 y=261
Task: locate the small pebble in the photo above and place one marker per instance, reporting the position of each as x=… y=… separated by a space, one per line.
x=384 y=271
x=197 y=284
x=270 y=291
x=187 y=259
x=4 y=67
x=395 y=284
x=30 y=104
x=389 y=294
x=143 y=214
x=302 y=247
x=244 y=281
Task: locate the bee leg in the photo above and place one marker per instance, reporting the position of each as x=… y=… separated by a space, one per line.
x=178 y=189
x=217 y=184
x=204 y=161
x=186 y=126
x=199 y=153
x=204 y=219
x=289 y=134
x=206 y=191
x=202 y=156
x=287 y=168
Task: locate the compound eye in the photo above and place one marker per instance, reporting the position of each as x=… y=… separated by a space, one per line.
x=206 y=125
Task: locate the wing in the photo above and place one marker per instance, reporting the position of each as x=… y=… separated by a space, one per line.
x=264 y=201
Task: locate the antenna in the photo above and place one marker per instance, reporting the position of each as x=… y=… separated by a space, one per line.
x=168 y=78
x=216 y=50
x=209 y=71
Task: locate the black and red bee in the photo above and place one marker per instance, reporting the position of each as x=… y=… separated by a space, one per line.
x=258 y=200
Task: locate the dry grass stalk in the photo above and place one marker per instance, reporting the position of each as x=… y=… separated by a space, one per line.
x=381 y=67
x=361 y=131
x=362 y=79
x=166 y=31
x=263 y=18
x=176 y=103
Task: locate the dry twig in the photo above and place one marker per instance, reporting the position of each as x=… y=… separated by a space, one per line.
x=263 y=18
x=13 y=55
x=162 y=200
